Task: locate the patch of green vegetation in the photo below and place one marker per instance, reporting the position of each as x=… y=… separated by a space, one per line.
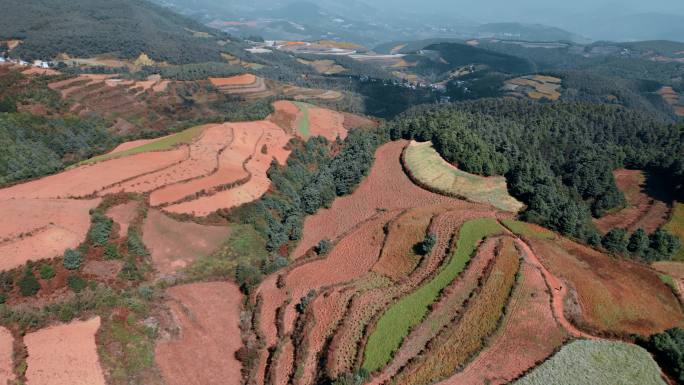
x=676 y=227
x=597 y=363
x=72 y=259
x=669 y=281
x=162 y=144
x=528 y=230
x=137 y=348
x=244 y=246
x=28 y=284
x=305 y=121
x=47 y=271
x=398 y=320
x=76 y=283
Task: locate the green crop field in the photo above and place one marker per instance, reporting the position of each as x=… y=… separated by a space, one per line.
x=596 y=363
x=676 y=227
x=304 y=122
x=163 y=144
x=527 y=229
x=398 y=320
x=429 y=169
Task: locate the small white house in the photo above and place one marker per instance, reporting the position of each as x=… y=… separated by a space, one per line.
x=41 y=64
x=2 y=59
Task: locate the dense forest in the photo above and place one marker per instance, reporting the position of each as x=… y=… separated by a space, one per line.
x=558 y=158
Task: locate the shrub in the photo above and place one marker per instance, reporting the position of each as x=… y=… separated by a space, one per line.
x=72 y=259
x=47 y=272
x=130 y=271
x=668 y=349
x=136 y=247
x=247 y=277
x=111 y=252
x=323 y=247
x=76 y=283
x=305 y=301
x=28 y=284
x=615 y=241
x=100 y=229
x=638 y=242
x=425 y=247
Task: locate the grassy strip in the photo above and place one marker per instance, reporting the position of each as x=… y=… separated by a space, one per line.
x=456 y=345
x=669 y=281
x=163 y=144
x=427 y=168
x=305 y=121
x=676 y=226
x=597 y=363
x=398 y=320
x=527 y=229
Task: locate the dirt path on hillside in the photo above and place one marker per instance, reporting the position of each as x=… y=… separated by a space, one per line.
x=558 y=291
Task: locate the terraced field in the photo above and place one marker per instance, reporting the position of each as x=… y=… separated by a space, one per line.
x=534 y=87
x=427 y=168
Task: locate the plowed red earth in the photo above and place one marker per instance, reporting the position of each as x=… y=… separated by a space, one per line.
x=64 y=355
x=642 y=211
x=36 y=229
x=273 y=141
x=86 y=180
x=203 y=160
x=385 y=188
x=208 y=315
x=174 y=245
x=6 y=356
x=614 y=297
x=529 y=335
x=123 y=215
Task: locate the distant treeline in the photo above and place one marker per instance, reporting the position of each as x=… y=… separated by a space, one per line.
x=558 y=158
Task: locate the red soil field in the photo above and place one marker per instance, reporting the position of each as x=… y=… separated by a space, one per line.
x=529 y=335
x=174 y=245
x=64 y=355
x=41 y=228
x=230 y=170
x=327 y=311
x=642 y=211
x=239 y=80
x=283 y=367
x=273 y=141
x=202 y=161
x=6 y=356
x=352 y=256
x=443 y=311
x=86 y=180
x=285 y=115
x=208 y=315
x=613 y=297
x=123 y=215
x=132 y=144
x=40 y=71
x=386 y=187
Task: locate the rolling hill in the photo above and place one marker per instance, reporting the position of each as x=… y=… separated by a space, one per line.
x=85 y=28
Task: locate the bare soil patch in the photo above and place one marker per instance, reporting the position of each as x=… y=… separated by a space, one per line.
x=274 y=141
x=385 y=188
x=86 y=180
x=174 y=245
x=641 y=211
x=41 y=228
x=6 y=356
x=123 y=215
x=528 y=335
x=64 y=355
x=612 y=297
x=208 y=317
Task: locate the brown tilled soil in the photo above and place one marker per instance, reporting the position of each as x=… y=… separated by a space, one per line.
x=327 y=123
x=274 y=140
x=6 y=356
x=174 y=245
x=385 y=188
x=64 y=355
x=41 y=228
x=230 y=164
x=529 y=334
x=208 y=315
x=90 y=179
x=203 y=160
x=123 y=215
x=239 y=80
x=642 y=211
x=613 y=297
